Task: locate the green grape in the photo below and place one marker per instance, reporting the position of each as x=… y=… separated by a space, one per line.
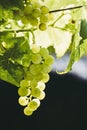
x=45 y=78
x=27 y=111
x=33 y=83
x=35 y=69
x=46 y=68
x=34 y=104
x=35 y=48
x=42 y=95
x=23 y=91
x=44 y=52
x=36 y=58
x=24 y=20
x=49 y=60
x=43 y=18
x=28 y=76
x=25 y=83
x=41 y=85
x=33 y=21
x=38 y=77
x=42 y=26
x=44 y=10
x=28 y=9
x=23 y=101
x=35 y=92
x=36 y=12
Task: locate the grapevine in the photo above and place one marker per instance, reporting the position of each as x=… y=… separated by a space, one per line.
x=28 y=28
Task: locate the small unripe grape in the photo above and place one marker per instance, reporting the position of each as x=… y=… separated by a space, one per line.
x=27 y=111
x=28 y=9
x=33 y=104
x=23 y=101
x=23 y=91
x=43 y=18
x=36 y=12
x=44 y=10
x=35 y=48
x=42 y=96
x=42 y=26
x=36 y=92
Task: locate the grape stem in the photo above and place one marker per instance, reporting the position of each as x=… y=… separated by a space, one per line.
x=17 y=31
x=70 y=8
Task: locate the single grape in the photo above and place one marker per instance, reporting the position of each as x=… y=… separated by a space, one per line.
x=33 y=21
x=49 y=60
x=36 y=12
x=35 y=48
x=42 y=26
x=28 y=9
x=24 y=83
x=44 y=10
x=33 y=83
x=38 y=76
x=43 y=18
x=46 y=68
x=29 y=76
x=27 y=111
x=34 y=104
x=23 y=91
x=35 y=92
x=41 y=85
x=23 y=101
x=45 y=77
x=42 y=95
x=36 y=58
x=24 y=20
x=35 y=69
x=44 y=52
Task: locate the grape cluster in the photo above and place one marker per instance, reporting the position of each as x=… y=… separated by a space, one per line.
x=31 y=89
x=35 y=14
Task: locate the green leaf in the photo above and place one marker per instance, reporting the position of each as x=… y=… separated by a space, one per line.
x=11 y=69
x=59 y=39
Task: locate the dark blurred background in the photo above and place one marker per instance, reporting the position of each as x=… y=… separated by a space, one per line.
x=65 y=106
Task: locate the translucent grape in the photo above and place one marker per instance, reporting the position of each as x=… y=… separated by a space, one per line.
x=49 y=60
x=24 y=20
x=23 y=101
x=45 y=78
x=36 y=92
x=46 y=68
x=24 y=83
x=28 y=9
x=44 y=10
x=41 y=85
x=27 y=111
x=33 y=83
x=33 y=104
x=35 y=48
x=36 y=58
x=44 y=52
x=43 y=18
x=42 y=26
x=42 y=95
x=35 y=69
x=33 y=21
x=36 y=12
x=23 y=91
x=38 y=76
x=29 y=76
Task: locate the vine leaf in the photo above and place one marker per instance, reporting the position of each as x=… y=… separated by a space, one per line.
x=11 y=65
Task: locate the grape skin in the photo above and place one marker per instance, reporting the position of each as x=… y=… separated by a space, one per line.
x=27 y=111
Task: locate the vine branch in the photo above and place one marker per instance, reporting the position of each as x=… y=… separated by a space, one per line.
x=70 y=8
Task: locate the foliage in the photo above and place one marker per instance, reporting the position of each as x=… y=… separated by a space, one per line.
x=30 y=27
